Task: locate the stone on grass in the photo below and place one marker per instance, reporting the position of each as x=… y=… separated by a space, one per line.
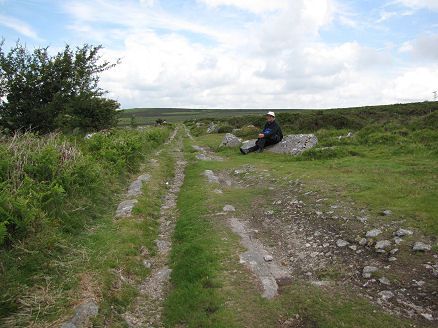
x=386 y=294
x=403 y=232
x=230 y=140
x=212 y=128
x=419 y=246
x=211 y=177
x=342 y=243
x=384 y=281
x=229 y=208
x=387 y=212
x=373 y=233
x=125 y=208
x=382 y=244
x=83 y=311
x=362 y=242
x=268 y=258
x=292 y=144
x=368 y=270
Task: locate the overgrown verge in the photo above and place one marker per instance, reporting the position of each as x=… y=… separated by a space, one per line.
x=55 y=189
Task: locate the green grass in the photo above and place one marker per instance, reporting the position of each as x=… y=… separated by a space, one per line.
x=210 y=288
x=45 y=275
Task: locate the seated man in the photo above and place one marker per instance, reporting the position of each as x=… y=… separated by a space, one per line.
x=270 y=135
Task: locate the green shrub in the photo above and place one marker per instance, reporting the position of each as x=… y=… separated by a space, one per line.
x=325 y=153
x=225 y=129
x=53 y=180
x=248 y=132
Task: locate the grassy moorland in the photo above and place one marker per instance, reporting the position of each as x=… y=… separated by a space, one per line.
x=57 y=199
x=390 y=162
x=142 y=116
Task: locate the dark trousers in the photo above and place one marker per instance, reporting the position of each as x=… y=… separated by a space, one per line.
x=261 y=143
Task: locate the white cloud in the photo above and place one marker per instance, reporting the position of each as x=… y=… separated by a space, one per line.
x=19 y=26
x=255 y=6
x=418 y=4
x=275 y=61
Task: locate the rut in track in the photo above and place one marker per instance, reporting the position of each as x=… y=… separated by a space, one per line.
x=153 y=290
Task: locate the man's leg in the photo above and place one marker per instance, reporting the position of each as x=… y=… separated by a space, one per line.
x=251 y=149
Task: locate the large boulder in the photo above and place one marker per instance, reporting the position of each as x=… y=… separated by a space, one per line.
x=292 y=144
x=212 y=128
x=230 y=140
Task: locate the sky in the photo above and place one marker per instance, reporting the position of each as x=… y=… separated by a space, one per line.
x=269 y=54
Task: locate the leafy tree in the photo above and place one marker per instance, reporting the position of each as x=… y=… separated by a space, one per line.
x=45 y=92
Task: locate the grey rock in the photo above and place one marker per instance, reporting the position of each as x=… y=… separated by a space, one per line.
x=397 y=240
x=147 y=264
x=382 y=244
x=373 y=233
x=342 y=243
x=368 y=271
x=268 y=258
x=393 y=251
x=203 y=157
x=292 y=144
x=386 y=294
x=229 y=208
x=387 y=212
x=83 y=311
x=230 y=140
x=135 y=187
x=403 y=232
x=427 y=316
x=384 y=281
x=125 y=208
x=212 y=128
x=211 y=177
x=363 y=242
x=419 y=246
x=392 y=259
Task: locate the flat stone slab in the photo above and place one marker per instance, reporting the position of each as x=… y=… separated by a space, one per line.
x=125 y=208
x=135 y=187
x=83 y=311
x=259 y=261
x=292 y=144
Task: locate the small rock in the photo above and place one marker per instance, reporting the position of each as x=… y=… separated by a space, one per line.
x=229 y=208
x=268 y=258
x=427 y=316
x=397 y=240
x=387 y=212
x=403 y=232
x=386 y=294
x=373 y=233
x=147 y=264
x=363 y=242
x=342 y=243
x=393 y=251
x=368 y=270
x=384 y=281
x=419 y=246
x=382 y=244
x=392 y=259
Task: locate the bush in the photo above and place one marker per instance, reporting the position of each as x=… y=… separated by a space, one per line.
x=327 y=153
x=225 y=129
x=43 y=179
x=248 y=132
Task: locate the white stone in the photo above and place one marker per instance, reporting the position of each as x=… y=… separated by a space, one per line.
x=419 y=246
x=342 y=243
x=403 y=232
x=268 y=258
x=386 y=294
x=373 y=233
x=230 y=140
x=384 y=281
x=229 y=208
x=382 y=244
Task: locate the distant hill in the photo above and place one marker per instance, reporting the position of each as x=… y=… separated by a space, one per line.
x=142 y=116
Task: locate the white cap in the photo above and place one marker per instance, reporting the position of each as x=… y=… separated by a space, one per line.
x=271 y=114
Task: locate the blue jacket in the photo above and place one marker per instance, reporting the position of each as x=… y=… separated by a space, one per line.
x=272 y=130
